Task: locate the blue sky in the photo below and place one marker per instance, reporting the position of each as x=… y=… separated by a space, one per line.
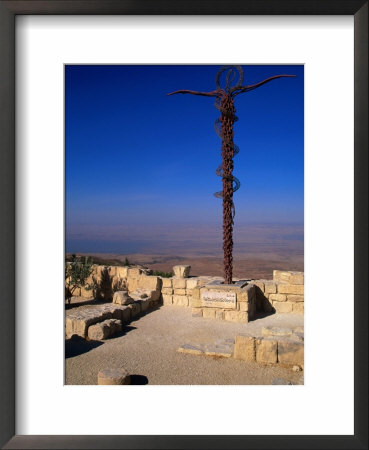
x=137 y=156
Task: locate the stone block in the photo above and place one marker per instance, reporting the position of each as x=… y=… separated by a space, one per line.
x=246 y=294
x=122 y=272
x=204 y=280
x=283 y=307
x=297 y=278
x=180 y=300
x=219 y=351
x=113 y=377
x=276 y=332
x=219 y=314
x=144 y=304
x=196 y=312
x=179 y=283
x=116 y=326
x=167 y=291
x=216 y=297
x=180 y=291
x=99 y=331
x=191 y=283
x=277 y=297
x=132 y=284
x=291 y=352
x=167 y=299
x=196 y=293
x=166 y=282
x=266 y=351
x=284 y=288
x=122 y=298
x=190 y=349
x=78 y=323
x=244 y=348
x=134 y=272
x=289 y=277
x=208 y=313
x=244 y=306
x=194 y=302
x=236 y=316
x=259 y=284
x=281 y=275
x=295 y=298
x=150 y=282
x=135 y=309
x=298 y=308
x=181 y=271
x=104 y=330
x=125 y=314
x=270 y=287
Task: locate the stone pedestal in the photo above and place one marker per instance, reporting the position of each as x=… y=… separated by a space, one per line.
x=233 y=302
x=181 y=271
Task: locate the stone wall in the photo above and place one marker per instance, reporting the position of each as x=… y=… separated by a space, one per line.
x=110 y=279
x=283 y=294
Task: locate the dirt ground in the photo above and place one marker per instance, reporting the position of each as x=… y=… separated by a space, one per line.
x=147 y=349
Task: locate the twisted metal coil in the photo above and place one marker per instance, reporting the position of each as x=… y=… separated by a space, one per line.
x=224 y=126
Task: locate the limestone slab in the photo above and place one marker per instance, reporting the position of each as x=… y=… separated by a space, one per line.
x=291 y=352
x=283 y=307
x=190 y=349
x=284 y=288
x=266 y=351
x=218 y=299
x=244 y=348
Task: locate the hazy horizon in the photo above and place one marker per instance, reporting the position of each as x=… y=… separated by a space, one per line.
x=194 y=239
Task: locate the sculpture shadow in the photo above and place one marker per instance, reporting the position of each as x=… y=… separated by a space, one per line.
x=264 y=308
x=139 y=379
x=77 y=346
x=105 y=288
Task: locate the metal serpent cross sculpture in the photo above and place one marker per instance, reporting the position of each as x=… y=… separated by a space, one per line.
x=225 y=97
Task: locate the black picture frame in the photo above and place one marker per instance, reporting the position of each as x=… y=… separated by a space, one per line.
x=8 y=11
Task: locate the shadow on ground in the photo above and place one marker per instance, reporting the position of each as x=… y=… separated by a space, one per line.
x=77 y=346
x=126 y=329
x=261 y=315
x=139 y=379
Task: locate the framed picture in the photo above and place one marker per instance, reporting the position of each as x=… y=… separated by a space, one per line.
x=41 y=43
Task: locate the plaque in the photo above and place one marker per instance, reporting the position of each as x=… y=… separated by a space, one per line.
x=214 y=299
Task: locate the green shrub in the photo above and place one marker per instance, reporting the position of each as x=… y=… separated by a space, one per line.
x=158 y=273
x=77 y=270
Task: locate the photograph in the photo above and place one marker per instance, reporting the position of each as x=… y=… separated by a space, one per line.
x=184 y=224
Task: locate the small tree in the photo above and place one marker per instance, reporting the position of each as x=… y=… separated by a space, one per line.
x=76 y=273
x=126 y=262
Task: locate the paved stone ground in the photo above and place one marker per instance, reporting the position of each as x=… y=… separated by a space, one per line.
x=147 y=349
